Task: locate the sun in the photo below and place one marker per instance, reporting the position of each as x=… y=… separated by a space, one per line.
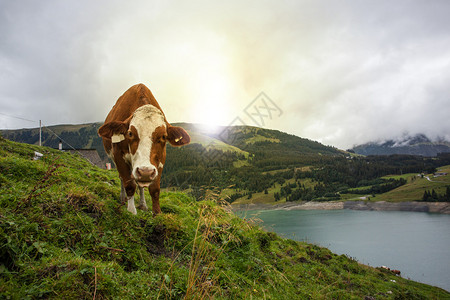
x=212 y=99
x=209 y=78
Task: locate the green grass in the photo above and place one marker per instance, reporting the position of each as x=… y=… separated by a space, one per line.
x=64 y=235
x=273 y=172
x=260 y=138
x=408 y=176
x=415 y=187
x=241 y=163
x=211 y=143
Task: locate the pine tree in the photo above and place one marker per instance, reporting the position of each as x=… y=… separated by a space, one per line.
x=434 y=195
x=426 y=196
x=277 y=196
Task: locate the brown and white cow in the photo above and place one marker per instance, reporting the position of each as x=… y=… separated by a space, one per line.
x=134 y=135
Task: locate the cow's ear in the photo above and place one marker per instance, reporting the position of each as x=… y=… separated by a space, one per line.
x=107 y=130
x=177 y=136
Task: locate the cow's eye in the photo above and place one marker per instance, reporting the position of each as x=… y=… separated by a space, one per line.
x=130 y=134
x=163 y=139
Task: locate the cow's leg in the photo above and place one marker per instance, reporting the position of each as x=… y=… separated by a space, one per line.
x=154 y=192
x=123 y=193
x=128 y=184
x=130 y=189
x=131 y=208
x=142 y=203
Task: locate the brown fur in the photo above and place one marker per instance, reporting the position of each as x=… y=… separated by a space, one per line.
x=118 y=122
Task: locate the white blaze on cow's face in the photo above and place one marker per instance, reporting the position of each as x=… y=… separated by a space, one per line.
x=147 y=128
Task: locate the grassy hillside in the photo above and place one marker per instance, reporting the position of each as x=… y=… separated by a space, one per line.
x=416 y=185
x=212 y=143
x=239 y=139
x=64 y=235
x=78 y=136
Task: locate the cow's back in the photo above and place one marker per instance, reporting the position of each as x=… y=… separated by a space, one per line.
x=135 y=97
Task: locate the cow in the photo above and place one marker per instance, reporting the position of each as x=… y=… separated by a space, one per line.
x=134 y=136
x=396 y=272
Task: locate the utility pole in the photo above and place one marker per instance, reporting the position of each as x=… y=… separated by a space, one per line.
x=40 y=133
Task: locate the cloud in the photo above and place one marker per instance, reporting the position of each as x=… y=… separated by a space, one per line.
x=48 y=66
x=343 y=73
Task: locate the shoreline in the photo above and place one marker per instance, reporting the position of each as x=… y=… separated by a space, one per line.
x=412 y=206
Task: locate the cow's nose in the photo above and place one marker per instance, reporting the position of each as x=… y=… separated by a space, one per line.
x=145 y=174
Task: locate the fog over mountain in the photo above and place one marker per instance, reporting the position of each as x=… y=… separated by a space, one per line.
x=418 y=144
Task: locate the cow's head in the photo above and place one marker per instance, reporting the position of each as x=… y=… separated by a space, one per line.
x=142 y=140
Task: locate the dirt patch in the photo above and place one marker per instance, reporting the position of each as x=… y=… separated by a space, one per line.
x=155 y=239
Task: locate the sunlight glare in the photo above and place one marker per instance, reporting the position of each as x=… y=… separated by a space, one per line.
x=212 y=94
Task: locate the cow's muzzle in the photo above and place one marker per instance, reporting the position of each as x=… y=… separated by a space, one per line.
x=145 y=176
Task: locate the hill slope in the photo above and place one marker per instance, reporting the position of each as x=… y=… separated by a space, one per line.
x=242 y=151
x=239 y=139
x=413 y=145
x=63 y=235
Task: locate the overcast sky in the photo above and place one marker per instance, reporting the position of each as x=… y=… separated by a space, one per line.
x=340 y=72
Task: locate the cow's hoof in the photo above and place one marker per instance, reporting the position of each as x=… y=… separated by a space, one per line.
x=133 y=211
x=143 y=207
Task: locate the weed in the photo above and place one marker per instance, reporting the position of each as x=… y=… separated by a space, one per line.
x=41 y=186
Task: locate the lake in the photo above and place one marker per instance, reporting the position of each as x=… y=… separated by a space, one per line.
x=417 y=244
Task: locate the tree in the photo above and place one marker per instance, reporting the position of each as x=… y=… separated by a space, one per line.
x=277 y=196
x=434 y=195
x=426 y=196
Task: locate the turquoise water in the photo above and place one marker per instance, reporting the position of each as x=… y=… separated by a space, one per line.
x=417 y=244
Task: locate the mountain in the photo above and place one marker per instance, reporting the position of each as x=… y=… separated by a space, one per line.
x=80 y=136
x=65 y=235
x=241 y=140
x=418 y=144
x=238 y=160
x=257 y=164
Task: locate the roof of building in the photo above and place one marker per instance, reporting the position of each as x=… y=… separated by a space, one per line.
x=90 y=155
